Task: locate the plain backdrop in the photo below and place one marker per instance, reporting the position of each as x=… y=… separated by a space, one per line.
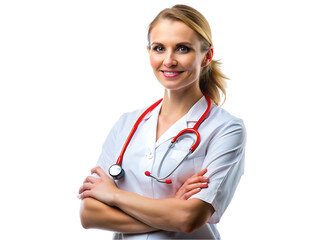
x=68 y=69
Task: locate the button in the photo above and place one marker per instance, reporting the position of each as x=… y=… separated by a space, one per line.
x=150 y=156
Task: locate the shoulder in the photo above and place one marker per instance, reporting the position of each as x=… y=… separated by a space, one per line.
x=224 y=128
x=121 y=128
x=125 y=121
x=224 y=120
x=131 y=116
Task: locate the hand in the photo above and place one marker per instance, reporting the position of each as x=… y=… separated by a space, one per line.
x=102 y=189
x=193 y=185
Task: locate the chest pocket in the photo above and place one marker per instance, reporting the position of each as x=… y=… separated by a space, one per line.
x=182 y=169
x=188 y=168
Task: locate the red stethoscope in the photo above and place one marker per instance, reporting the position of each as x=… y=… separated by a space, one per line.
x=116 y=170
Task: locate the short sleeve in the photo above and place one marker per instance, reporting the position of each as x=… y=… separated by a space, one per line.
x=224 y=161
x=110 y=147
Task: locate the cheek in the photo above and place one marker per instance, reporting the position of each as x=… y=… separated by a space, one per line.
x=155 y=62
x=190 y=62
x=194 y=69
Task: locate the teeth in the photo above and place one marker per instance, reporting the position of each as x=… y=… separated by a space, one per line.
x=171 y=73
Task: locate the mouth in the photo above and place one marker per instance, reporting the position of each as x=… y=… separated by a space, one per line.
x=171 y=74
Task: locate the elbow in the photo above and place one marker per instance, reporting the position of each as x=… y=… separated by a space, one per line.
x=84 y=218
x=179 y=222
x=191 y=224
x=195 y=218
x=84 y=221
x=85 y=225
x=189 y=227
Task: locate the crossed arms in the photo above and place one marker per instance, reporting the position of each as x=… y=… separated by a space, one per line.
x=104 y=206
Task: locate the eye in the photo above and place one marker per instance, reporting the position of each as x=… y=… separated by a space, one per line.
x=183 y=49
x=158 y=49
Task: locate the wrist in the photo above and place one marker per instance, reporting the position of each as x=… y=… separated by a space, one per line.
x=115 y=199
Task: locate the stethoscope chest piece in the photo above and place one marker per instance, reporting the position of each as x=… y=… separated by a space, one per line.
x=116 y=171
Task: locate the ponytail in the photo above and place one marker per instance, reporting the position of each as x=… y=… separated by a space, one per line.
x=213 y=82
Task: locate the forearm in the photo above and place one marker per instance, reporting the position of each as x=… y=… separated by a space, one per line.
x=168 y=214
x=95 y=214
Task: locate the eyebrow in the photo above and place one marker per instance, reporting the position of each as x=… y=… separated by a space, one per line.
x=178 y=44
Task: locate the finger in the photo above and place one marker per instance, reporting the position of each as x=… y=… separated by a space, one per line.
x=84 y=194
x=187 y=195
x=202 y=172
x=178 y=195
x=194 y=186
x=90 y=179
x=196 y=179
x=84 y=187
x=189 y=187
x=99 y=171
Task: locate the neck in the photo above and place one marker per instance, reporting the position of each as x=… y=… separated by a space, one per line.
x=176 y=104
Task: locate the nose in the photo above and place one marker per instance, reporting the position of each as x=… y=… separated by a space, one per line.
x=170 y=60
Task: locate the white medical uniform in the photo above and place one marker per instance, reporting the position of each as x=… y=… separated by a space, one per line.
x=221 y=151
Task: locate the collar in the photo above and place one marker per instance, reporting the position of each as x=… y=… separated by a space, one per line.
x=193 y=115
x=154 y=112
x=186 y=121
x=197 y=110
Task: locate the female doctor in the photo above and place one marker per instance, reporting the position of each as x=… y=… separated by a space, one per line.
x=181 y=194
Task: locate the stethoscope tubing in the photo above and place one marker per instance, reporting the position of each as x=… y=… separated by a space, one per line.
x=157 y=174
x=191 y=150
x=129 y=138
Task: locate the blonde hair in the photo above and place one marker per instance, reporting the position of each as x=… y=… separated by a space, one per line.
x=212 y=80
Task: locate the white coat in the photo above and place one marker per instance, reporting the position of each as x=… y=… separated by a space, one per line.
x=221 y=151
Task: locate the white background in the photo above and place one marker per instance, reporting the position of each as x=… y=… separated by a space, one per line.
x=69 y=68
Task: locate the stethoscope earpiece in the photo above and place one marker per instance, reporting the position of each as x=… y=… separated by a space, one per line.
x=167 y=181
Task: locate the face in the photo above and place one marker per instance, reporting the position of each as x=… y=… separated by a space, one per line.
x=175 y=55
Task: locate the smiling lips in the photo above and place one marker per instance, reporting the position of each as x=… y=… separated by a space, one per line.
x=171 y=74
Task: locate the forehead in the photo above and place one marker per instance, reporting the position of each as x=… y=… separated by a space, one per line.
x=166 y=31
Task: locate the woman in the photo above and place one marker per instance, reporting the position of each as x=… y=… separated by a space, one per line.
x=139 y=207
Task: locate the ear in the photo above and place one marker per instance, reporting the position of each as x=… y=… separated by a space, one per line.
x=208 y=57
